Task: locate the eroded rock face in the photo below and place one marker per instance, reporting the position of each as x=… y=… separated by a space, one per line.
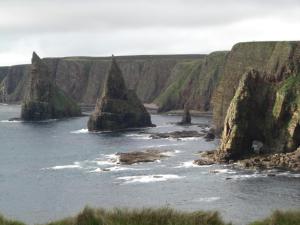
x=118 y=107
x=265 y=57
x=186 y=118
x=263 y=110
x=44 y=99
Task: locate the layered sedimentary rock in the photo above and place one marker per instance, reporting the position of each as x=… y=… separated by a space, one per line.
x=118 y=107
x=193 y=83
x=82 y=78
x=44 y=99
x=265 y=57
x=265 y=110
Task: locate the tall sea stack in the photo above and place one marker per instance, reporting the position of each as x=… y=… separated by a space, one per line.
x=118 y=107
x=186 y=118
x=44 y=99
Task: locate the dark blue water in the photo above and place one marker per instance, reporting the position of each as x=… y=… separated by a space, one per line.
x=50 y=170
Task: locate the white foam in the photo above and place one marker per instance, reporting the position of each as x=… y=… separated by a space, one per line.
x=149 y=178
x=170 y=153
x=207 y=199
x=190 y=139
x=65 y=167
x=11 y=121
x=162 y=145
x=289 y=174
x=247 y=176
x=75 y=165
x=105 y=162
x=81 y=131
x=190 y=164
x=223 y=171
x=97 y=170
x=139 y=136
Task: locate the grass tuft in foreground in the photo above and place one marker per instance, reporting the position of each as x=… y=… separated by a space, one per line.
x=162 y=216
x=4 y=221
x=147 y=216
x=281 y=218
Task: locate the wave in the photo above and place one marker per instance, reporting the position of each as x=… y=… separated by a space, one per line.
x=76 y=165
x=288 y=174
x=149 y=178
x=161 y=145
x=81 y=131
x=115 y=169
x=248 y=176
x=207 y=199
x=170 y=153
x=11 y=121
x=139 y=136
x=191 y=138
x=222 y=171
x=190 y=164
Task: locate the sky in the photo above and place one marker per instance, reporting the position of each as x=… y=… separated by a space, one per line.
x=57 y=28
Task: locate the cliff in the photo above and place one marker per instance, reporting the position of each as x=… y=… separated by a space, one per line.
x=265 y=57
x=82 y=78
x=44 y=100
x=193 y=83
x=264 y=112
x=117 y=107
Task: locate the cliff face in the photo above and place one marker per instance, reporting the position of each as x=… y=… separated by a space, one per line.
x=193 y=83
x=266 y=110
x=82 y=78
x=13 y=85
x=118 y=108
x=44 y=100
x=265 y=57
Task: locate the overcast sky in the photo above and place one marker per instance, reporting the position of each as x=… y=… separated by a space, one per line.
x=127 y=27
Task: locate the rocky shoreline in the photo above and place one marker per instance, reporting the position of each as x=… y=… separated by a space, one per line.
x=283 y=161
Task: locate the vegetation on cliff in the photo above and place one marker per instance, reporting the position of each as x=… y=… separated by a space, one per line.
x=193 y=83
x=82 y=78
x=118 y=108
x=45 y=100
x=266 y=110
x=265 y=57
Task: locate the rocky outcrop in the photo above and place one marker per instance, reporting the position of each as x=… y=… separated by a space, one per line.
x=177 y=134
x=186 y=118
x=149 y=155
x=290 y=161
x=193 y=82
x=266 y=57
x=44 y=99
x=83 y=78
x=264 y=110
x=118 y=108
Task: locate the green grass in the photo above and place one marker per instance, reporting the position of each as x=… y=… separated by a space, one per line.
x=147 y=216
x=281 y=218
x=160 y=216
x=4 y=221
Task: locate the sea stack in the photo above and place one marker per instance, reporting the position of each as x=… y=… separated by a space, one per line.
x=186 y=118
x=44 y=99
x=118 y=108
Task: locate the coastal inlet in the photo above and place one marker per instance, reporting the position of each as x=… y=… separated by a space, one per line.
x=52 y=169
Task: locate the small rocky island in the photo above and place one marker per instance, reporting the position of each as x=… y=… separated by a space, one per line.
x=186 y=118
x=44 y=100
x=118 y=108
